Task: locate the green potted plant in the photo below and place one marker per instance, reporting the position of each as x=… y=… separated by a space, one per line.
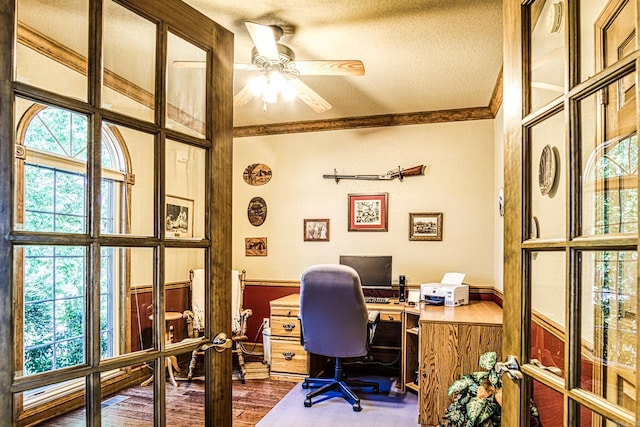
x=478 y=398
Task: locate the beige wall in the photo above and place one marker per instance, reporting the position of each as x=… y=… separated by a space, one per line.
x=459 y=182
x=498 y=221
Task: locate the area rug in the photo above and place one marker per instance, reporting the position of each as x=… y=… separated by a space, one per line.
x=389 y=408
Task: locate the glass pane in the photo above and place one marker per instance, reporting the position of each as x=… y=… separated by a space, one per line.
x=184 y=293
x=50 y=169
x=608 y=326
x=606 y=34
x=186 y=87
x=129 y=68
x=547 y=52
x=141 y=272
x=590 y=418
x=549 y=403
x=49 y=400
x=127 y=181
x=185 y=190
x=610 y=160
x=51 y=55
x=184 y=405
x=50 y=285
x=548 y=309
x=126 y=300
x=548 y=179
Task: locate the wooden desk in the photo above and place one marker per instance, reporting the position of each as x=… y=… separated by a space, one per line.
x=289 y=360
x=442 y=343
x=439 y=344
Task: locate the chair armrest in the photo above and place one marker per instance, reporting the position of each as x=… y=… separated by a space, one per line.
x=374 y=316
x=301 y=334
x=372 y=324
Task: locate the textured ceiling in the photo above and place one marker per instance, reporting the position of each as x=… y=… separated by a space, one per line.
x=419 y=55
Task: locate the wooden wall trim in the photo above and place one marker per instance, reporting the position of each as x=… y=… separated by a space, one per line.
x=55 y=51
x=496 y=97
x=383 y=120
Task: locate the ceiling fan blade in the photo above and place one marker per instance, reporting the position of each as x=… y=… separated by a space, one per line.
x=309 y=96
x=329 y=68
x=188 y=64
x=242 y=97
x=263 y=39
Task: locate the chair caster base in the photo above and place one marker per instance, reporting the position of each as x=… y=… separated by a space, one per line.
x=307 y=403
x=305 y=385
x=357 y=407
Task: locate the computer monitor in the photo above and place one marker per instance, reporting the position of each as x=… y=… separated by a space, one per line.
x=374 y=270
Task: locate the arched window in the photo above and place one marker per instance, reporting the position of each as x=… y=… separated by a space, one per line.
x=611 y=207
x=52 y=174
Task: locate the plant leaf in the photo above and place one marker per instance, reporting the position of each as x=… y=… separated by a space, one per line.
x=488 y=412
x=474 y=409
x=488 y=360
x=495 y=379
x=460 y=385
x=479 y=376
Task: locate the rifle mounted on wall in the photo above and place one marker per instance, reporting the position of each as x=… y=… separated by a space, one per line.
x=392 y=174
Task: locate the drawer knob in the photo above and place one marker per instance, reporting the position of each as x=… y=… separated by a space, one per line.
x=391 y=317
x=288 y=355
x=288 y=327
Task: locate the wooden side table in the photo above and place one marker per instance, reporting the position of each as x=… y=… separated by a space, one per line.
x=170 y=361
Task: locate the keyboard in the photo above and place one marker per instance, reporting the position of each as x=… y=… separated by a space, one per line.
x=377 y=300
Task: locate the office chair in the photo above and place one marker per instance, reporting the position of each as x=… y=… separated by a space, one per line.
x=195 y=318
x=335 y=323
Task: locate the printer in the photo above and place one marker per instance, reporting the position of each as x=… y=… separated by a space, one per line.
x=450 y=292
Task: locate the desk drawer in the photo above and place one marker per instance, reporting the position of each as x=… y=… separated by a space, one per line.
x=288 y=356
x=285 y=327
x=391 y=316
x=285 y=311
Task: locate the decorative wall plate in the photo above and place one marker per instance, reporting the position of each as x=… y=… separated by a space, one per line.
x=257 y=174
x=257 y=211
x=547 y=170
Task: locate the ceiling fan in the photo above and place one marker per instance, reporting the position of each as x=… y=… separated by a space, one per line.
x=279 y=69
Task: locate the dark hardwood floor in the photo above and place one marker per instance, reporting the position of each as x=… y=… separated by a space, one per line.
x=185 y=405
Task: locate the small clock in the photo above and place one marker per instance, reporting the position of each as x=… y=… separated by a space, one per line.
x=547 y=170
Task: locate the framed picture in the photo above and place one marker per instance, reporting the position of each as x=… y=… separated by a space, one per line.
x=368 y=212
x=179 y=216
x=316 y=230
x=255 y=246
x=425 y=226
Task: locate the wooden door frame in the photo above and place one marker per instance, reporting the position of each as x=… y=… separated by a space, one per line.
x=218 y=201
x=513 y=107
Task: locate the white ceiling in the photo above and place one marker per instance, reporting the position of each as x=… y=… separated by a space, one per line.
x=419 y=55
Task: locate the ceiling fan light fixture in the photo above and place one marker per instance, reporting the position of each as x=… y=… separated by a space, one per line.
x=257 y=84
x=270 y=94
x=288 y=92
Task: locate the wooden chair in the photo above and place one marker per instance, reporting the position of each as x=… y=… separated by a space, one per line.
x=240 y=319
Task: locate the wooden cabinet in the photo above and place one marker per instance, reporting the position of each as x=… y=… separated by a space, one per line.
x=289 y=360
x=442 y=343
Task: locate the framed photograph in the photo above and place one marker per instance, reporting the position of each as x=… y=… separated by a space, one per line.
x=179 y=216
x=368 y=212
x=255 y=246
x=316 y=230
x=425 y=226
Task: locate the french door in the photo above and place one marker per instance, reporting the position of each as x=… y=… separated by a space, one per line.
x=571 y=219
x=114 y=187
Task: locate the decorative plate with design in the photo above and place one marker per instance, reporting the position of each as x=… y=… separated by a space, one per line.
x=257 y=174
x=257 y=211
x=547 y=170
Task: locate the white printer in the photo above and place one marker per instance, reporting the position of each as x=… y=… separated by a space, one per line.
x=450 y=292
